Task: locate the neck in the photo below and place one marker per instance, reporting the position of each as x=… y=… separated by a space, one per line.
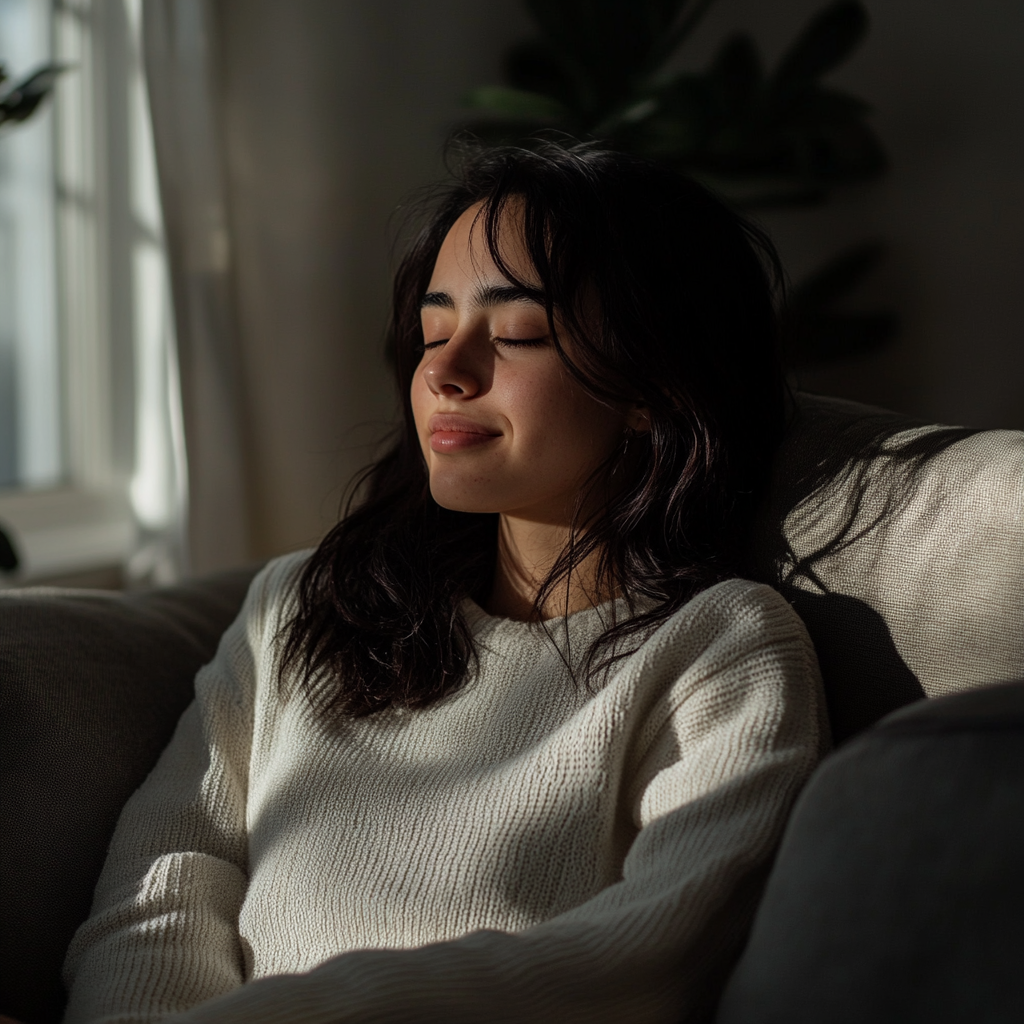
x=526 y=553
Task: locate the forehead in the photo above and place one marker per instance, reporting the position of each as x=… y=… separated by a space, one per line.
x=465 y=259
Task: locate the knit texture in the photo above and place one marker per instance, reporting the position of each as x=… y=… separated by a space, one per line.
x=528 y=849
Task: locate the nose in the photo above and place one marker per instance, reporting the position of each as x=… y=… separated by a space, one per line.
x=453 y=370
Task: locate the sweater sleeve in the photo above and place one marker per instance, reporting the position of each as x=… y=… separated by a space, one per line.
x=163 y=932
x=714 y=771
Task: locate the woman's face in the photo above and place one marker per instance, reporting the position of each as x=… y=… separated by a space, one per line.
x=502 y=424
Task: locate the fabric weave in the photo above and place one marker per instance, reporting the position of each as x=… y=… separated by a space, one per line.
x=902 y=548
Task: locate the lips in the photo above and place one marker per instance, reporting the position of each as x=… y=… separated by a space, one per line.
x=450 y=432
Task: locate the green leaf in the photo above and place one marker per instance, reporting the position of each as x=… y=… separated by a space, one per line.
x=843 y=153
x=610 y=49
x=8 y=556
x=515 y=103
x=829 y=38
x=599 y=33
x=594 y=42
x=668 y=23
x=672 y=124
x=736 y=74
x=689 y=16
x=21 y=100
x=531 y=65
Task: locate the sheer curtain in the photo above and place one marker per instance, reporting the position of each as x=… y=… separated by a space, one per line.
x=179 y=66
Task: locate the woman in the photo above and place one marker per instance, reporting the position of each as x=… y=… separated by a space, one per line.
x=514 y=743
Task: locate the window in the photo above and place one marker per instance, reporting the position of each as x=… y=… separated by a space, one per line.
x=31 y=448
x=90 y=463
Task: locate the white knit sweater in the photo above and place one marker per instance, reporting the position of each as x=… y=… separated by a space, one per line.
x=527 y=849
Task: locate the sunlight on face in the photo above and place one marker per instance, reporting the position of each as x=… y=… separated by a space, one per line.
x=503 y=426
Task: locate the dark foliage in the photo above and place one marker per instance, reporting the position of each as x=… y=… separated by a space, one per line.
x=21 y=101
x=8 y=556
x=600 y=69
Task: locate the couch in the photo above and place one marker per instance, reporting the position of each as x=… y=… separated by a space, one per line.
x=901 y=545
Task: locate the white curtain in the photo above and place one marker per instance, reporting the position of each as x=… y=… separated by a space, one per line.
x=180 y=66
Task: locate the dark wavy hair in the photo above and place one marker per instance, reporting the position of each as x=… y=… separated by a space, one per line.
x=686 y=327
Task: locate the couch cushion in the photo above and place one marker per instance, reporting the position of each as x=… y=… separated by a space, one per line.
x=91 y=687
x=897 y=895
x=902 y=546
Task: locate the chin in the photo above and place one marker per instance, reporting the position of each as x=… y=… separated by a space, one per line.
x=456 y=498
x=461 y=503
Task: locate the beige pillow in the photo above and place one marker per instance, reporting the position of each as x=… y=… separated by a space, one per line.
x=903 y=547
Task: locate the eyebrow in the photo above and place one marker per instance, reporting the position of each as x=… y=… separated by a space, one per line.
x=489 y=295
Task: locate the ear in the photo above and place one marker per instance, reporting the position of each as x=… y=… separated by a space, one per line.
x=638 y=419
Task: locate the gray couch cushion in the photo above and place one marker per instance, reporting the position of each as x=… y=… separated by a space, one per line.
x=902 y=546
x=897 y=895
x=91 y=686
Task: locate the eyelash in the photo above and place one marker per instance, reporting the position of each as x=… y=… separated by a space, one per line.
x=521 y=342
x=506 y=342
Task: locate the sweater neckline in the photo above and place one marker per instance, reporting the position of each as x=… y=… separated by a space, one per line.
x=478 y=619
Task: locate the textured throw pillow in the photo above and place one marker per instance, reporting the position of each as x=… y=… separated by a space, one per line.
x=91 y=687
x=902 y=546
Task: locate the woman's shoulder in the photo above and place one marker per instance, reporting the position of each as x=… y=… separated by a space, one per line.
x=741 y=605
x=279 y=575
x=271 y=592
x=729 y=620
x=736 y=650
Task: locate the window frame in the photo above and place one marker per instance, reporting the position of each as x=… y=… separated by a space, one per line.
x=88 y=523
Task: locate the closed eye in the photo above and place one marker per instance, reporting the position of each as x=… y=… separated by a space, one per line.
x=506 y=342
x=521 y=342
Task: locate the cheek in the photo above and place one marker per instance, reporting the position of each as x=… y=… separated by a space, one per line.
x=557 y=421
x=420 y=399
x=531 y=402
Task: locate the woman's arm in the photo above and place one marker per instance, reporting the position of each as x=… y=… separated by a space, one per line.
x=720 y=767
x=163 y=932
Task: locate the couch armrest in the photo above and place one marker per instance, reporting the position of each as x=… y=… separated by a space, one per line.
x=91 y=687
x=898 y=895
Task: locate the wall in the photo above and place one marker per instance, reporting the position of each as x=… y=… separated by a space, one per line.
x=333 y=110
x=947 y=83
